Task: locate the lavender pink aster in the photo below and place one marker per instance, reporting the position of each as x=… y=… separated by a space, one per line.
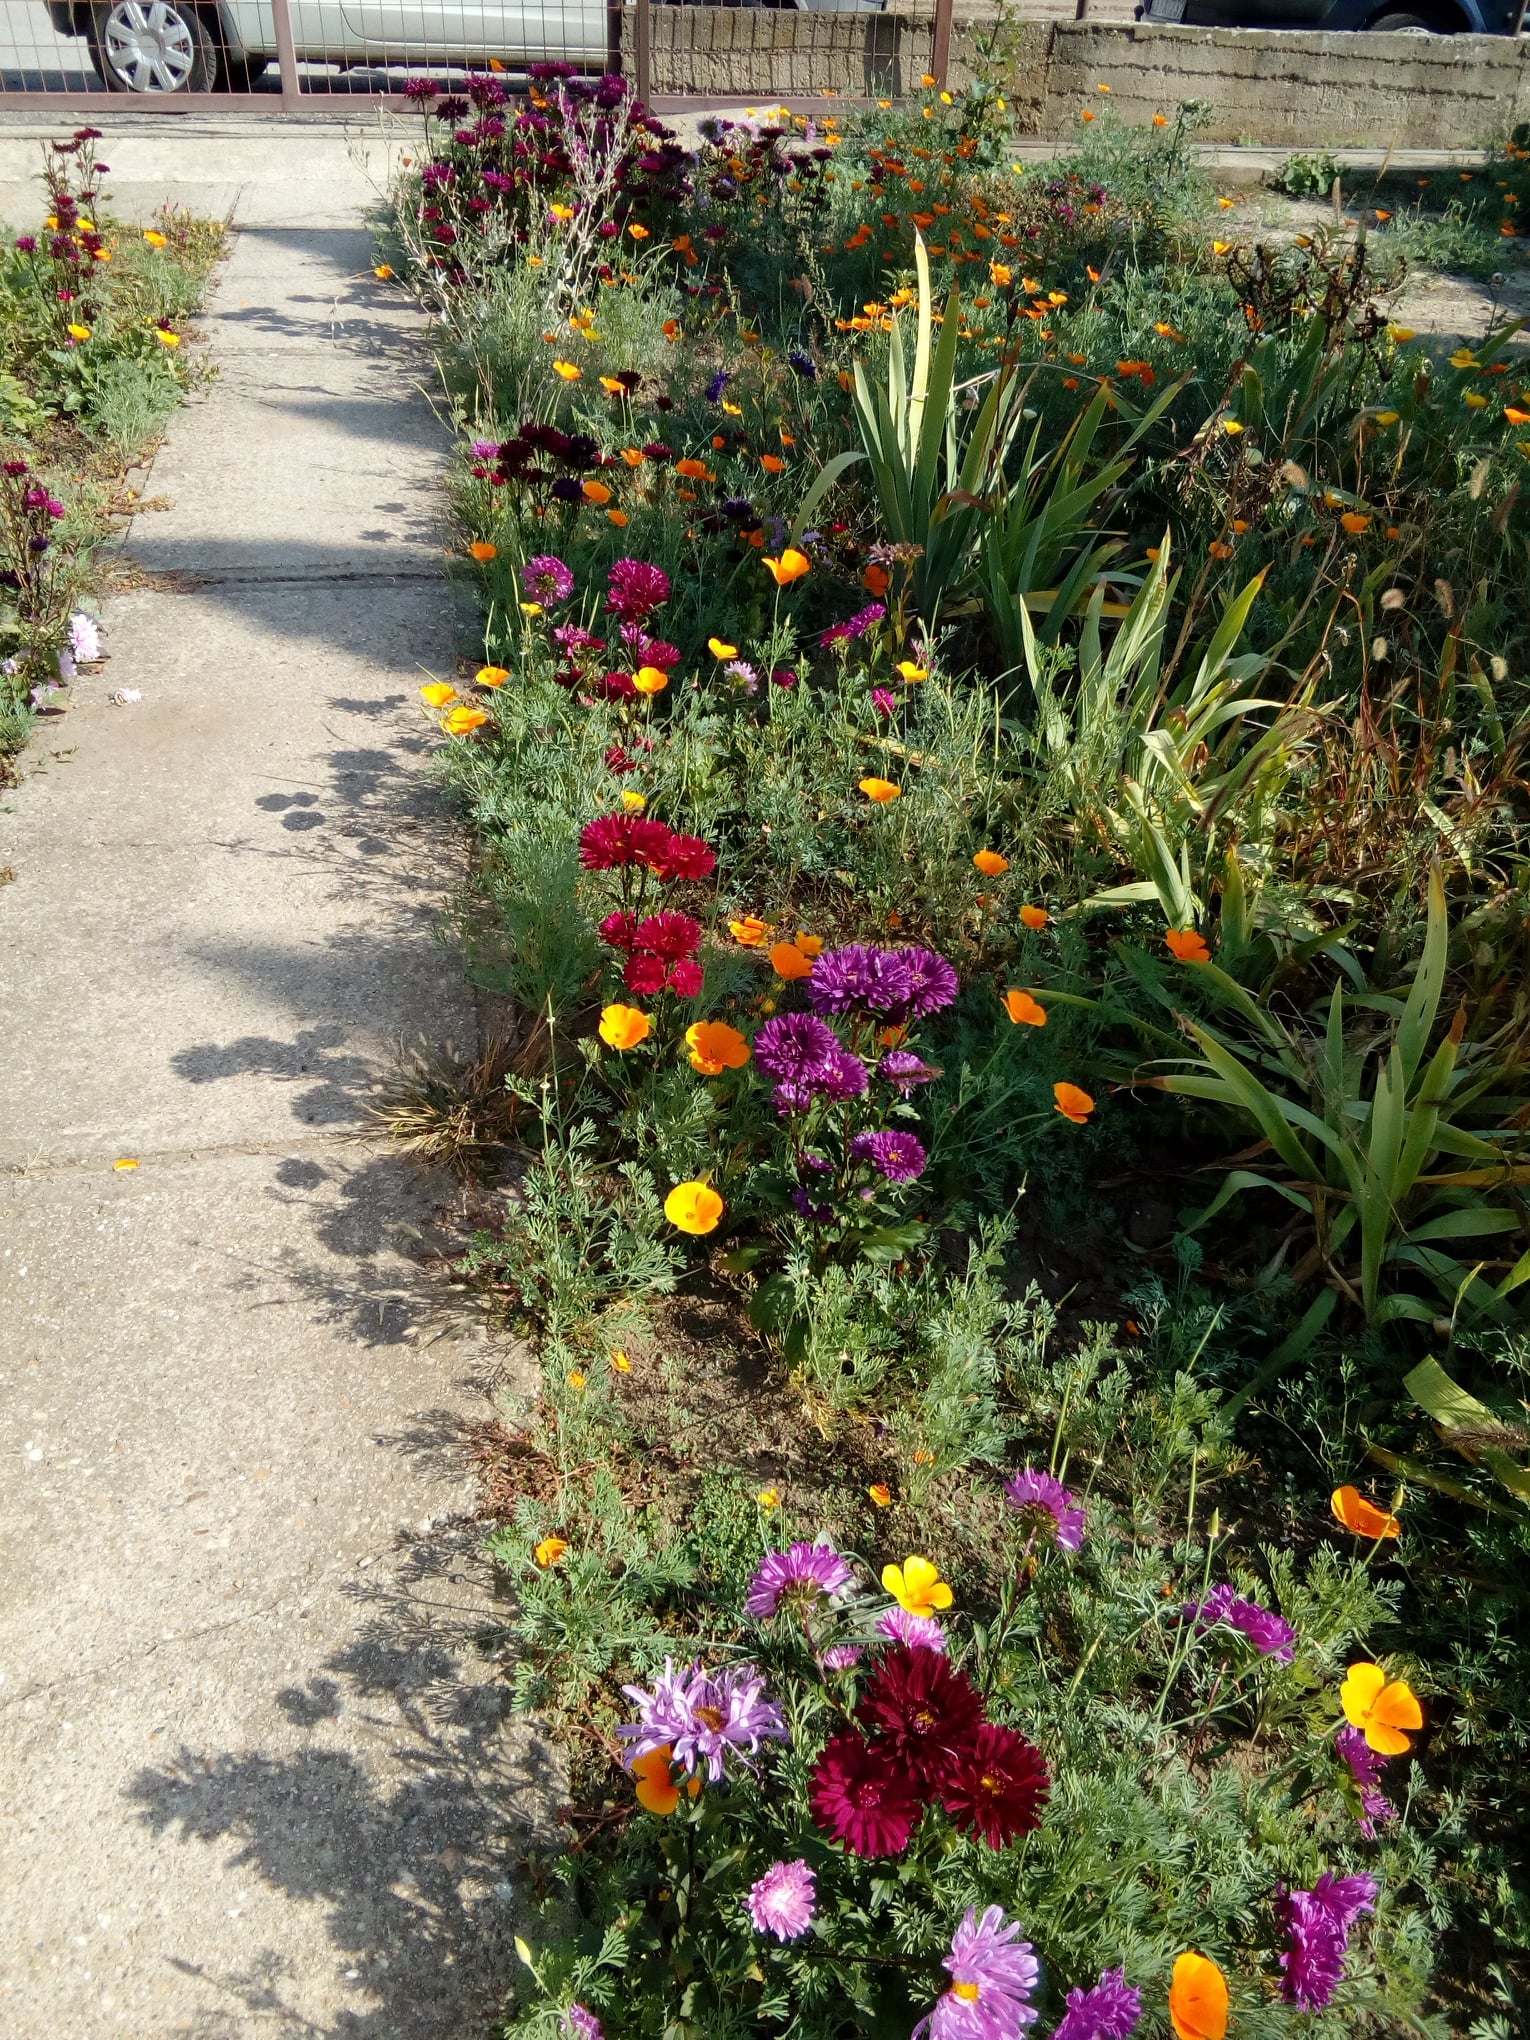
x=1108 y=2012
x=782 y=1901
x=1048 y=1506
x=898 y=1626
x=1365 y=1766
x=892 y=1153
x=1270 y=1634
x=801 y=1576
x=993 y=1973
x=703 y=1717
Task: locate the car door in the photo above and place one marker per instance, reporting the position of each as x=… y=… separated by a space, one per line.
x=474 y=31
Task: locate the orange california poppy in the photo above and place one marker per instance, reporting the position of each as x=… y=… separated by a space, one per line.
x=715 y=1047
x=880 y=790
x=693 y=1207
x=491 y=676
x=1034 y=917
x=596 y=492
x=549 y=1551
x=1072 y=1103
x=876 y=580
x=881 y=1494
x=655 y=1793
x=810 y=945
x=788 y=961
x=1354 y=522
x=617 y=517
x=461 y=721
x=624 y=1026
x=1188 y=944
x=1381 y=1708
x=438 y=693
x=751 y=931
x=693 y=470
x=482 y=550
x=772 y=463
x=650 y=679
x=1198 y=1998
x=1026 y=1012
x=1361 y=1516
x=991 y=863
x=791 y=566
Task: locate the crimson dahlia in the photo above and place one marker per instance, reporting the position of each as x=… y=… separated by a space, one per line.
x=998 y=1787
x=863 y=1797
x=924 y=1711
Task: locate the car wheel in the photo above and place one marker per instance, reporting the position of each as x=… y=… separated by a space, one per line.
x=152 y=46
x=240 y=73
x=1414 y=24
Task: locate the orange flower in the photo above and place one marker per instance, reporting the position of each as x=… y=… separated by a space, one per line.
x=1073 y=1103
x=1034 y=917
x=632 y=455
x=772 y=463
x=1026 y=1012
x=569 y=370
x=1515 y=416
x=810 y=945
x=1198 y=1998
x=788 y=961
x=715 y=1047
x=1354 y=522
x=491 y=676
x=693 y=470
x=624 y=1027
x=1188 y=944
x=1361 y=1516
x=991 y=863
x=751 y=931
x=650 y=679
x=617 y=517
x=482 y=550
x=596 y=492
x=461 y=721
x=638 y=231
x=1160 y=120
x=791 y=566
x=549 y=1551
x=655 y=1793
x=1381 y=1708
x=880 y=790
x=881 y=1494
x=875 y=580
x=693 y=1207
x=438 y=693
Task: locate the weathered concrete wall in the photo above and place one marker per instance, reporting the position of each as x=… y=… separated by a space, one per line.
x=1285 y=88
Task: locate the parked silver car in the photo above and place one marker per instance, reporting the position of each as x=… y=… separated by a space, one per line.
x=224 y=45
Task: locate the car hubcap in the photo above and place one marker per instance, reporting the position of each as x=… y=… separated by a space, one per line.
x=149 y=45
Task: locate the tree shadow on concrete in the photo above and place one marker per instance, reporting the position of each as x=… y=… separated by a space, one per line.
x=409 y=1838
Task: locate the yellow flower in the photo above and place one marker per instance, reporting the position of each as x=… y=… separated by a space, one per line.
x=1401 y=334
x=156 y=239
x=549 y=1551
x=620 y=1362
x=634 y=803
x=612 y=387
x=880 y=790
x=531 y=609
x=1354 y=522
x=577 y=1382
x=912 y=670
x=561 y=213
x=638 y=231
x=491 y=676
x=383 y=272
x=1221 y=247
x=1232 y=426
x=624 y=1027
x=719 y=650
x=1475 y=399
x=1387 y=417
x=569 y=370
x=916 y=1586
x=79 y=332
x=1463 y=358
x=881 y=1494
x=650 y=679
x=751 y=931
x=769 y=1498
x=166 y=338
x=461 y=721
x=438 y=693
x=124 y=1163
x=693 y=1207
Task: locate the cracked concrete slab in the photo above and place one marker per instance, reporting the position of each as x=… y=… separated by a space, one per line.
x=255 y=1771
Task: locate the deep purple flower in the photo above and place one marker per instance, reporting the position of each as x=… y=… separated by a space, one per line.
x=1270 y=1634
x=933 y=984
x=876 y=980
x=702 y=1716
x=864 y=1797
x=1049 y=1506
x=1318 y=1922
x=636 y=589
x=1365 y=1766
x=782 y=1901
x=844 y=1078
x=925 y=1710
x=804 y=1574
x=893 y=1154
x=26 y=244
x=795 y=1048
x=803 y=363
x=1108 y=2012
x=717 y=385
x=783 y=676
x=546 y=579
x=903 y=1069
x=917 y=1631
x=993 y=1973
x=420 y=91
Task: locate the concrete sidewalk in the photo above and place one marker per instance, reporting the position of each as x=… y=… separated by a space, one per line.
x=256 y=1772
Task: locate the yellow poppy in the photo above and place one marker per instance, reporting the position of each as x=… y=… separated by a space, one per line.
x=491 y=676
x=720 y=650
x=438 y=693
x=751 y=931
x=1381 y=1708
x=788 y=962
x=624 y=1027
x=461 y=721
x=569 y=370
x=650 y=679
x=693 y=1207
x=791 y=566
x=916 y=1586
x=880 y=790
x=912 y=670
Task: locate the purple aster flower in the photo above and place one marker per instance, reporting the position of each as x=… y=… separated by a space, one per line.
x=1108 y=2012
x=897 y=1156
x=845 y=1077
x=1318 y=1922
x=795 y=1048
x=782 y=1901
x=932 y=983
x=804 y=1574
x=703 y=1717
x=717 y=385
x=1270 y=1634
x=485 y=449
x=876 y=980
x=578 y=2024
x=841 y=1657
x=546 y=579
x=1049 y=1507
x=993 y=1973
x=636 y=588
x=903 y=1069
x=917 y=1631
x=803 y=363
x=1365 y=1766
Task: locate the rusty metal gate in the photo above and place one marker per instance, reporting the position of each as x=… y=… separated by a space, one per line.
x=291 y=56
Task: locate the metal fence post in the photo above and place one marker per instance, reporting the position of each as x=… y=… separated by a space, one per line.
x=642 y=51
x=940 y=46
x=614 y=37
x=286 y=56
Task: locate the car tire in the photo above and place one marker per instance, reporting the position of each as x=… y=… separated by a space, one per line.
x=240 y=74
x=157 y=48
x=1402 y=22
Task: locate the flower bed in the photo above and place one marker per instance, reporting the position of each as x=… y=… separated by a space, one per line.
x=91 y=319
x=996 y=758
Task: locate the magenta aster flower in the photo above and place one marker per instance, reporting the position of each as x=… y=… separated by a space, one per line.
x=921 y=1631
x=893 y=1154
x=636 y=589
x=1318 y=1922
x=1108 y=2012
x=804 y=1574
x=903 y=1070
x=1048 y=1506
x=578 y=2024
x=864 y=1798
x=857 y=976
x=998 y=1786
x=782 y=1901
x=1365 y=1767
x=924 y=1710
x=1270 y=1634
x=933 y=983
x=795 y=1048
x=993 y=1973
x=703 y=1717
x=545 y=578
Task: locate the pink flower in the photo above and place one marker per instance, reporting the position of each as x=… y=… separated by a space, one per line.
x=993 y=1973
x=1048 y=1506
x=782 y=1901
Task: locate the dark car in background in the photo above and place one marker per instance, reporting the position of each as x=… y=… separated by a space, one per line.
x=1433 y=17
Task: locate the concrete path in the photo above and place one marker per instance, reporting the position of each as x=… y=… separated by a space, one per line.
x=254 y=1775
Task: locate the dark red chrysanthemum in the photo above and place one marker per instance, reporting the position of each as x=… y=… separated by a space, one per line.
x=686 y=977
x=668 y=934
x=619 y=930
x=998 y=1787
x=924 y=1710
x=864 y=1798
x=645 y=974
x=687 y=857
